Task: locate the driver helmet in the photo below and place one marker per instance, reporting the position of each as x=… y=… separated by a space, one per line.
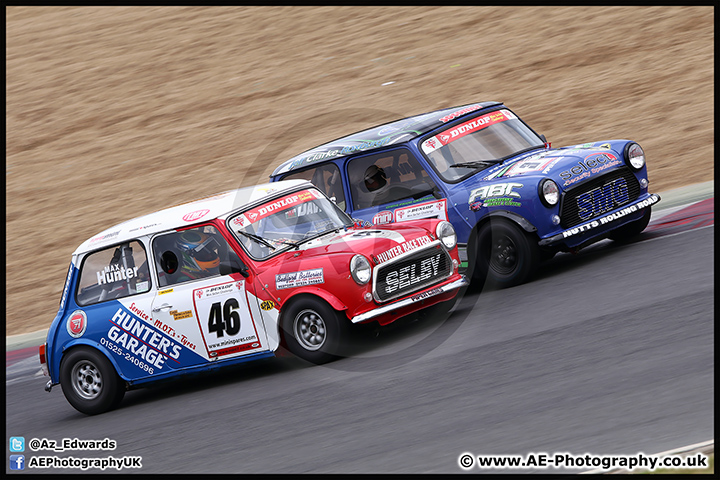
x=374 y=178
x=198 y=251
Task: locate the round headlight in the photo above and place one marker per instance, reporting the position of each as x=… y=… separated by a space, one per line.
x=635 y=156
x=360 y=269
x=446 y=233
x=549 y=192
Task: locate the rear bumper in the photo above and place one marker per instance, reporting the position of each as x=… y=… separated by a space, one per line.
x=411 y=299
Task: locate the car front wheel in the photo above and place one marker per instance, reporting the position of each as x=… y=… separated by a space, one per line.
x=314 y=331
x=505 y=254
x=90 y=382
x=631 y=230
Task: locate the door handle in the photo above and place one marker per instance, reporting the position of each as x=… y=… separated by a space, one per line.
x=162 y=307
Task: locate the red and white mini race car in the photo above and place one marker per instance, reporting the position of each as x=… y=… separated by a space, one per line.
x=231 y=278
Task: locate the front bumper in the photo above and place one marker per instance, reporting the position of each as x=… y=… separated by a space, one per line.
x=410 y=299
x=605 y=222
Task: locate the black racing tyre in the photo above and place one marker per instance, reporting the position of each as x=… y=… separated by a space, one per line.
x=313 y=330
x=627 y=232
x=89 y=381
x=505 y=255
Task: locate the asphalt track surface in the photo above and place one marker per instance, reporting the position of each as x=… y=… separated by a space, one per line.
x=610 y=351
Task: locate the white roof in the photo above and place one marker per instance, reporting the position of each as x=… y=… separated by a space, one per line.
x=187 y=214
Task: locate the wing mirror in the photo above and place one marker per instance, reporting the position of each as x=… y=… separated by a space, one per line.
x=234 y=266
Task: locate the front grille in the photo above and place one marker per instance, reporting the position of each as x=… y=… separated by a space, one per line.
x=597 y=196
x=411 y=272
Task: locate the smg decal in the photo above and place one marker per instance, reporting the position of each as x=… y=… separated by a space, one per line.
x=402 y=248
x=299 y=279
x=478 y=195
x=603 y=199
x=611 y=218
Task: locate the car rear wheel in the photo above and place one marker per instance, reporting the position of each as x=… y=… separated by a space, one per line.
x=313 y=331
x=90 y=382
x=505 y=254
x=627 y=232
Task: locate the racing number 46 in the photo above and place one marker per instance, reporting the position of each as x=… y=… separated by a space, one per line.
x=226 y=319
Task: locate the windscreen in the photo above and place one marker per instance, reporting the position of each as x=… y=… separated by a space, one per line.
x=285 y=222
x=478 y=143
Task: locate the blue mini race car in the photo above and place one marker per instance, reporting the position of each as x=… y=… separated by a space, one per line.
x=514 y=201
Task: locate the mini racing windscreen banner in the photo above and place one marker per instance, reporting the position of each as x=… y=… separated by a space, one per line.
x=256 y=214
x=459 y=131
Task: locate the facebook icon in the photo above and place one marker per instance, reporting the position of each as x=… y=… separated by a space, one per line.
x=17 y=462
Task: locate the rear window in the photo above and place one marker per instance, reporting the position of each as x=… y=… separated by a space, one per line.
x=115 y=272
x=327 y=178
x=387 y=177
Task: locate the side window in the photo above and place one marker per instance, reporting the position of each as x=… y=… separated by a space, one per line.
x=192 y=254
x=387 y=177
x=115 y=272
x=327 y=178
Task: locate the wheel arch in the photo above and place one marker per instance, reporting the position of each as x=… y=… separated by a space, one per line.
x=328 y=297
x=331 y=300
x=82 y=343
x=507 y=215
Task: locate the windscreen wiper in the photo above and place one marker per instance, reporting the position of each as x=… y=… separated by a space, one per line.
x=476 y=163
x=257 y=238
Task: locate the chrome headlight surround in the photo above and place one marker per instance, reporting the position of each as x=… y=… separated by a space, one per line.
x=634 y=156
x=446 y=233
x=360 y=269
x=549 y=192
